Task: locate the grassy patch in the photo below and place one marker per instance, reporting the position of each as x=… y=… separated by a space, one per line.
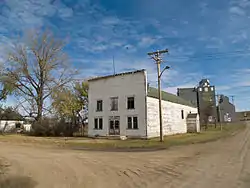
x=211 y=134
x=183 y=139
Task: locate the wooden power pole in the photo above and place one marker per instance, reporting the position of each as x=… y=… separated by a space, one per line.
x=156 y=56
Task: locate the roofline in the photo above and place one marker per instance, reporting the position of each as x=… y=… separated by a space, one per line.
x=186 y=88
x=118 y=74
x=195 y=87
x=187 y=102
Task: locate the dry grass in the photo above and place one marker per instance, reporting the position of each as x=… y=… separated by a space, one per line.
x=183 y=139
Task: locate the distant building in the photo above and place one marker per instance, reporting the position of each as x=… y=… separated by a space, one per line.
x=189 y=94
x=206 y=101
x=124 y=105
x=203 y=97
x=226 y=110
x=243 y=116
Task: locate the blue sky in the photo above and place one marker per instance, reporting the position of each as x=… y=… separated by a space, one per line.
x=205 y=38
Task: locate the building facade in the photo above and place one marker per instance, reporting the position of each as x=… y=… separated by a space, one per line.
x=206 y=101
x=226 y=110
x=124 y=105
x=242 y=116
x=203 y=97
x=189 y=94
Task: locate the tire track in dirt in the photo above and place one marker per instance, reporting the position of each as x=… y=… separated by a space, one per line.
x=219 y=164
x=221 y=167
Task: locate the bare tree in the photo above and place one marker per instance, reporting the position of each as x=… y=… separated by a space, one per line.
x=36 y=68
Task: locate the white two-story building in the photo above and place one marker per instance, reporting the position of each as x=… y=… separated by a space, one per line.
x=124 y=105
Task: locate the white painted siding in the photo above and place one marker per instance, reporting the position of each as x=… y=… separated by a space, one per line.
x=10 y=124
x=121 y=86
x=27 y=127
x=172 y=120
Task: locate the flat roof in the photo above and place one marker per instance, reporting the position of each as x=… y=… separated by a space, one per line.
x=114 y=75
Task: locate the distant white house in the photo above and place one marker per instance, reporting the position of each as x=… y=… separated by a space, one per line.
x=124 y=105
x=8 y=125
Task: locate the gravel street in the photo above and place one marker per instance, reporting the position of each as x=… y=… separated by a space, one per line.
x=221 y=164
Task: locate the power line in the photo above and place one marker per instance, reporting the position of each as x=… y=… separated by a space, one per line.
x=223 y=53
x=212 y=56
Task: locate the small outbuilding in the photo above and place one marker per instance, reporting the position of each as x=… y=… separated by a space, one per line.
x=193 y=123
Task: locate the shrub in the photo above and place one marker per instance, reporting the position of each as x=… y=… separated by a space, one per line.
x=49 y=127
x=42 y=128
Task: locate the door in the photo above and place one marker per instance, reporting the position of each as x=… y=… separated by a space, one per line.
x=114 y=125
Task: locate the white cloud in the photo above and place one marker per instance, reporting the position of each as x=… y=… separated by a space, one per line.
x=237 y=10
x=147 y=42
x=244 y=3
x=110 y=21
x=223 y=87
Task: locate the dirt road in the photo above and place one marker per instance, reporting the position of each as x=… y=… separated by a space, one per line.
x=221 y=164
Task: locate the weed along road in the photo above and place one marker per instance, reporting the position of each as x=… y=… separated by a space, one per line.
x=221 y=164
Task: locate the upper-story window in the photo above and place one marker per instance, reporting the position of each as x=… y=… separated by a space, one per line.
x=200 y=89
x=114 y=103
x=131 y=103
x=212 y=88
x=99 y=106
x=206 y=89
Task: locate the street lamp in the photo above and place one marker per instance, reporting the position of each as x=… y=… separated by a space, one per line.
x=159 y=96
x=165 y=68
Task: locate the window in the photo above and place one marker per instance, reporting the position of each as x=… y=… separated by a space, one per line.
x=212 y=88
x=131 y=103
x=114 y=104
x=98 y=123
x=129 y=122
x=99 y=106
x=200 y=89
x=182 y=114
x=135 y=122
x=206 y=89
x=132 y=122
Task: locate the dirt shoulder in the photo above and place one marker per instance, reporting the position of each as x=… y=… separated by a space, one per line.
x=9 y=180
x=223 y=164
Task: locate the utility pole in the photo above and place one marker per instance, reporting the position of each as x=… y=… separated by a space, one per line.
x=114 y=64
x=219 y=110
x=156 y=56
x=233 y=99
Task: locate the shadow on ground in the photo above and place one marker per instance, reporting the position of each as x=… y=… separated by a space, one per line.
x=120 y=149
x=17 y=182
x=13 y=181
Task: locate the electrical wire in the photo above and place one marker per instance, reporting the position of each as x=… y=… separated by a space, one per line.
x=211 y=56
